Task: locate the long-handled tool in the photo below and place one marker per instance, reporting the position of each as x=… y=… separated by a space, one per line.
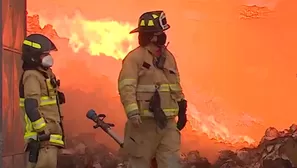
x=106 y=127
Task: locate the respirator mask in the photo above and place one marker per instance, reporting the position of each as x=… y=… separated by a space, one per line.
x=47 y=61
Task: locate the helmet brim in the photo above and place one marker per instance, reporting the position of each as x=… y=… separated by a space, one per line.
x=54 y=48
x=134 y=30
x=137 y=30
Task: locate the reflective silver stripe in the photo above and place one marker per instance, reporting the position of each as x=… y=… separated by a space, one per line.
x=131 y=107
x=127 y=82
x=175 y=87
x=152 y=88
x=54 y=138
x=30 y=135
x=44 y=101
x=57 y=139
x=168 y=113
x=162 y=88
x=39 y=124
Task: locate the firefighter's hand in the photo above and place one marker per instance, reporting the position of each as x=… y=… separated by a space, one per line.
x=182 y=121
x=135 y=120
x=61 y=97
x=182 y=116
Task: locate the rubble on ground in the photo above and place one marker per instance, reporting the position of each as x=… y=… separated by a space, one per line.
x=84 y=152
x=277 y=149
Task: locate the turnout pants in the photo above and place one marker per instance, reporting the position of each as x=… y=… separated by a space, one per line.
x=47 y=158
x=148 y=141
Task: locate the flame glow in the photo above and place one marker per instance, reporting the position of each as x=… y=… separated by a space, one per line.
x=96 y=37
x=246 y=54
x=208 y=125
x=112 y=38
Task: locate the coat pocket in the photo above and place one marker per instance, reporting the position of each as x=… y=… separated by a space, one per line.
x=143 y=100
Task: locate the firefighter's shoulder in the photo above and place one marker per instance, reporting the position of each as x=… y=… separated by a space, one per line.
x=170 y=56
x=33 y=74
x=134 y=56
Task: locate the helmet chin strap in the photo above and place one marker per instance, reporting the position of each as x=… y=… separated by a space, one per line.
x=167 y=44
x=163 y=47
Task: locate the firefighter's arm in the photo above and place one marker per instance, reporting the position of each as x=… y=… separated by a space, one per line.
x=127 y=83
x=181 y=95
x=32 y=95
x=182 y=103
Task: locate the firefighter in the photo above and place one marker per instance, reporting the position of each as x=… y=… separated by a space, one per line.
x=150 y=91
x=40 y=102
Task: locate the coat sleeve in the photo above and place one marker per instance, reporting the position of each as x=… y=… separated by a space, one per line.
x=31 y=87
x=180 y=93
x=32 y=95
x=127 y=83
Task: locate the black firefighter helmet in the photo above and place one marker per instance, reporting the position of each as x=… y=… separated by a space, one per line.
x=152 y=22
x=35 y=45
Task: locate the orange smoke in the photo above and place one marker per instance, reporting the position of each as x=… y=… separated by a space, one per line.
x=237 y=62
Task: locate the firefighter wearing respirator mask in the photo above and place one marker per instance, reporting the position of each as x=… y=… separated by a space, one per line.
x=40 y=101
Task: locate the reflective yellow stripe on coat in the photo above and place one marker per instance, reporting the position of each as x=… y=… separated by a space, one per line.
x=162 y=88
x=54 y=138
x=127 y=82
x=169 y=112
x=44 y=101
x=29 y=129
x=131 y=107
x=40 y=123
x=30 y=135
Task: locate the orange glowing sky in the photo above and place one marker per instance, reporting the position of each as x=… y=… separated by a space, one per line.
x=246 y=68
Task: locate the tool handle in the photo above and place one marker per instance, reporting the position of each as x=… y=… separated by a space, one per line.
x=106 y=127
x=115 y=137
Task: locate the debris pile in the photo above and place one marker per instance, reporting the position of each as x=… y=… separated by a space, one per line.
x=83 y=151
x=277 y=149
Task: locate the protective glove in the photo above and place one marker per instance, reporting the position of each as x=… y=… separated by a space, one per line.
x=182 y=116
x=43 y=135
x=61 y=97
x=135 y=120
x=181 y=122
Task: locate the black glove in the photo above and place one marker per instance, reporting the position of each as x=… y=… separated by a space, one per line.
x=182 y=116
x=61 y=97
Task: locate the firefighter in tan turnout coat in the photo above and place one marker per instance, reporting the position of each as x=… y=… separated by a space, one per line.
x=152 y=97
x=40 y=102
